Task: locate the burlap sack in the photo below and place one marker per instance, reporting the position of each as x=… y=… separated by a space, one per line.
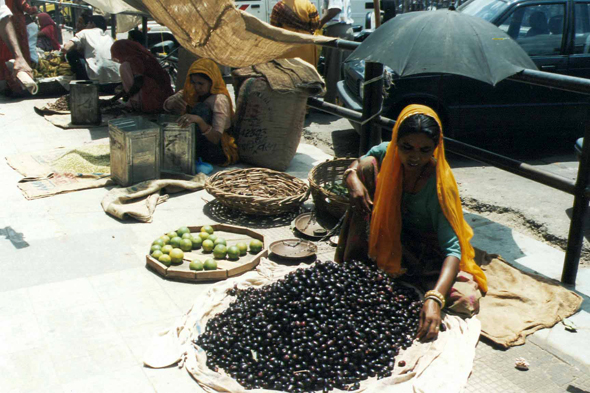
x=268 y=124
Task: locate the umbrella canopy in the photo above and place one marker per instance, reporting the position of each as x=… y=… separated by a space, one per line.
x=444 y=42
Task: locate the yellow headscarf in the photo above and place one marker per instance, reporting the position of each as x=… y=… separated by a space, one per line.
x=386 y=222
x=210 y=68
x=300 y=7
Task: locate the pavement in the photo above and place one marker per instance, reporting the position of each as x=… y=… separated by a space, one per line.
x=79 y=308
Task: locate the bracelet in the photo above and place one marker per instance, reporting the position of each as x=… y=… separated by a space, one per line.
x=435 y=299
x=435 y=295
x=348 y=172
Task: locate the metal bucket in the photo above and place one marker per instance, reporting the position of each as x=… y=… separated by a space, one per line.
x=84 y=103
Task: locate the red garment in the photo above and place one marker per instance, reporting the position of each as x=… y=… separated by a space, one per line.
x=48 y=27
x=18 y=8
x=156 y=82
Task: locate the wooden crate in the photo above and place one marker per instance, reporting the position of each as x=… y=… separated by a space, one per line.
x=225 y=268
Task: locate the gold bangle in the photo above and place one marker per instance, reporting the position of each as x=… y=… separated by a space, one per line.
x=436 y=294
x=437 y=300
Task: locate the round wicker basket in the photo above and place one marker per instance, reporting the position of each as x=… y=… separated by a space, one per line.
x=326 y=174
x=258 y=191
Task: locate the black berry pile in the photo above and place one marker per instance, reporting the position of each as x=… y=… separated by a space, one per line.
x=328 y=326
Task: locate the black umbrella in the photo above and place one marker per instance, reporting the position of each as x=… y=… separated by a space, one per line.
x=446 y=42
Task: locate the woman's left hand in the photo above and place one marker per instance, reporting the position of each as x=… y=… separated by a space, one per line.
x=429 y=321
x=186 y=120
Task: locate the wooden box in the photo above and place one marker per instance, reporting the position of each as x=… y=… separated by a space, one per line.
x=135 y=150
x=178 y=145
x=225 y=268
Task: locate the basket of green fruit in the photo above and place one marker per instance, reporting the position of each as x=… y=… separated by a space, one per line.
x=327 y=189
x=206 y=253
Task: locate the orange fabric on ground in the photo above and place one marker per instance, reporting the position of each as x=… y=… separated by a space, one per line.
x=386 y=223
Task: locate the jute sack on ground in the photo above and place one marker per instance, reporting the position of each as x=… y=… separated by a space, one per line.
x=140 y=200
x=518 y=304
x=271 y=108
x=439 y=366
x=62 y=170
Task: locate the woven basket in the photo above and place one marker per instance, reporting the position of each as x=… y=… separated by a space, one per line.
x=258 y=191
x=322 y=175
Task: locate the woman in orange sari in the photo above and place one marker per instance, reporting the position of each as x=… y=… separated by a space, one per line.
x=406 y=216
x=205 y=101
x=302 y=17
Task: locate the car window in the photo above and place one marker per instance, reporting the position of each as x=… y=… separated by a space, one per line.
x=582 y=28
x=537 y=28
x=485 y=9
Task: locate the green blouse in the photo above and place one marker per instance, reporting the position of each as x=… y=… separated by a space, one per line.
x=422 y=212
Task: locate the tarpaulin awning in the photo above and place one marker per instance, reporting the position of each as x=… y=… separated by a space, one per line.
x=217 y=30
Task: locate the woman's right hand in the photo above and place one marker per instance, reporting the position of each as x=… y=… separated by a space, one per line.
x=176 y=104
x=359 y=195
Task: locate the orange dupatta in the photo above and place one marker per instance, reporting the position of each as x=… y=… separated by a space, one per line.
x=386 y=220
x=210 y=68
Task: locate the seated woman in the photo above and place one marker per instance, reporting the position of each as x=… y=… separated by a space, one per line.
x=406 y=216
x=205 y=101
x=146 y=85
x=48 y=35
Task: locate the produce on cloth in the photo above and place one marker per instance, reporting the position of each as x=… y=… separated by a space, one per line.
x=324 y=327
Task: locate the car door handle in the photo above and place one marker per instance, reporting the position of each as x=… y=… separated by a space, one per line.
x=549 y=67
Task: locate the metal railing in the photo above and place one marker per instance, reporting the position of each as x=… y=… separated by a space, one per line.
x=372 y=122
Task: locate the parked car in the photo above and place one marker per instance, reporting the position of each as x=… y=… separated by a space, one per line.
x=555 y=34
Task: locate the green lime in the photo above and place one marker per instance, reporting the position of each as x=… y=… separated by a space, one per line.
x=182 y=230
x=186 y=245
x=196 y=265
x=243 y=247
x=220 y=251
x=186 y=236
x=204 y=235
x=197 y=241
x=165 y=259
x=172 y=234
x=212 y=238
x=176 y=256
x=220 y=240
x=208 y=229
x=175 y=242
x=157 y=254
x=165 y=239
x=255 y=246
x=158 y=242
x=233 y=253
x=155 y=247
x=207 y=245
x=210 y=264
x=167 y=248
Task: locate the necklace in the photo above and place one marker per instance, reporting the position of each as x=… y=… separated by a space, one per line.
x=420 y=176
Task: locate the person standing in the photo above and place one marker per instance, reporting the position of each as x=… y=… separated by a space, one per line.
x=337 y=20
x=89 y=53
x=8 y=35
x=302 y=17
x=18 y=8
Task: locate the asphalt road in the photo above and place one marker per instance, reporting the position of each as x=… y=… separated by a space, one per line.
x=519 y=203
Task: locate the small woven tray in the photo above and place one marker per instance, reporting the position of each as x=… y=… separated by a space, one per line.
x=324 y=174
x=258 y=191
